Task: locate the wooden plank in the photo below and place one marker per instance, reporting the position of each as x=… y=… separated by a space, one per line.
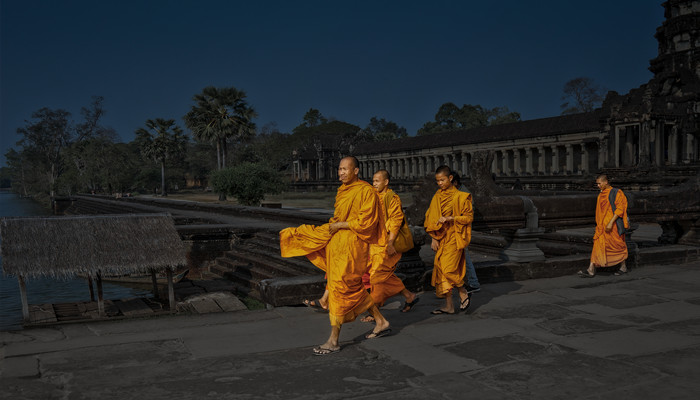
x=100 y=299
x=23 y=296
x=171 y=289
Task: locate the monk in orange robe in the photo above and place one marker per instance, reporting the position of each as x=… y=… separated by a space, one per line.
x=448 y=222
x=383 y=258
x=609 y=247
x=341 y=249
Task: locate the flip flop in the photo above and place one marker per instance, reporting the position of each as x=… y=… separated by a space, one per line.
x=314 y=304
x=439 y=311
x=409 y=305
x=620 y=272
x=367 y=318
x=373 y=335
x=582 y=274
x=462 y=307
x=322 y=351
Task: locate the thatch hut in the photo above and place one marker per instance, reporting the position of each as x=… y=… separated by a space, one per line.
x=92 y=246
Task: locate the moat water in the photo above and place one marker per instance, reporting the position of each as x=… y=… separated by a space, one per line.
x=43 y=290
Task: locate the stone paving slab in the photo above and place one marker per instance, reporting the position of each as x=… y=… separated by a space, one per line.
x=544 y=339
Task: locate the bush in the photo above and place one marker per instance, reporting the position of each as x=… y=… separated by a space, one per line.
x=247 y=182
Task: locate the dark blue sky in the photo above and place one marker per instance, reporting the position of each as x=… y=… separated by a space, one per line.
x=352 y=60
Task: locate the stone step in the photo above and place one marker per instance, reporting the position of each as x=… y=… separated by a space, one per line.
x=300 y=264
x=263 y=259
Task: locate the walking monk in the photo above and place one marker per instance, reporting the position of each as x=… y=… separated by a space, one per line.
x=383 y=258
x=611 y=220
x=449 y=222
x=341 y=249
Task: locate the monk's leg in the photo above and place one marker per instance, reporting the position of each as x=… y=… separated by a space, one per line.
x=323 y=301
x=591 y=269
x=382 y=324
x=623 y=266
x=331 y=344
x=449 y=303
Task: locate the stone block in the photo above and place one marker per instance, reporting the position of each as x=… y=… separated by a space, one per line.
x=292 y=290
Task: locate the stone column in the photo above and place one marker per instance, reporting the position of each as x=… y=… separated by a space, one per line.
x=528 y=161
x=617 y=147
x=494 y=163
x=505 y=169
x=689 y=147
x=466 y=157
x=541 y=165
x=516 y=162
x=555 y=160
x=569 y=159
x=584 y=159
x=602 y=153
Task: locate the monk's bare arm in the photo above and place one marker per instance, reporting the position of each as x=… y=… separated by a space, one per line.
x=336 y=226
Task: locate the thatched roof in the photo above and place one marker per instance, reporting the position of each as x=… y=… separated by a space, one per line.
x=109 y=244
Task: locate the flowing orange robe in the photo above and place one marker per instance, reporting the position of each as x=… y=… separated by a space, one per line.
x=343 y=255
x=449 y=266
x=609 y=248
x=383 y=281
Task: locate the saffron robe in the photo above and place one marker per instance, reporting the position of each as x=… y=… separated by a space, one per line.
x=449 y=266
x=609 y=248
x=383 y=282
x=343 y=255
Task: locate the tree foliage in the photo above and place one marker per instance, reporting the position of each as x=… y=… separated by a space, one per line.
x=581 y=95
x=380 y=130
x=43 y=140
x=161 y=141
x=449 y=117
x=248 y=182
x=220 y=116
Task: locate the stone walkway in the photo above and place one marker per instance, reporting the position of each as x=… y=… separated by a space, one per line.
x=630 y=337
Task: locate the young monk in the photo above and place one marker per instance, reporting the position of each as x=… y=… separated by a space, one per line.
x=341 y=249
x=383 y=258
x=448 y=222
x=609 y=247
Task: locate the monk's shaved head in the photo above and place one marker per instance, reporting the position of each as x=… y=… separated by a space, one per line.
x=384 y=173
x=353 y=159
x=603 y=177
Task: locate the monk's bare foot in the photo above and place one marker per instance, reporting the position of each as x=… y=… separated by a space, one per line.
x=410 y=303
x=381 y=329
x=323 y=303
x=324 y=350
x=367 y=318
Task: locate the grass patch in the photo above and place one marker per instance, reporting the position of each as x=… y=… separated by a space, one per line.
x=252 y=303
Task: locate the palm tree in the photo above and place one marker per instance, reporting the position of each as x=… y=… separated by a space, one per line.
x=220 y=115
x=161 y=140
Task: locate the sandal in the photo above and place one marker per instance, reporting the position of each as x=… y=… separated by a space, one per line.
x=323 y=351
x=462 y=307
x=409 y=305
x=585 y=274
x=620 y=272
x=315 y=304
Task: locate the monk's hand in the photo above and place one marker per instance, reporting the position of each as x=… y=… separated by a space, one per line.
x=333 y=228
x=390 y=249
x=434 y=245
x=608 y=227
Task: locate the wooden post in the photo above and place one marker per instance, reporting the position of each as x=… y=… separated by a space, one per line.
x=154 y=279
x=23 y=295
x=100 y=300
x=92 y=291
x=171 y=289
